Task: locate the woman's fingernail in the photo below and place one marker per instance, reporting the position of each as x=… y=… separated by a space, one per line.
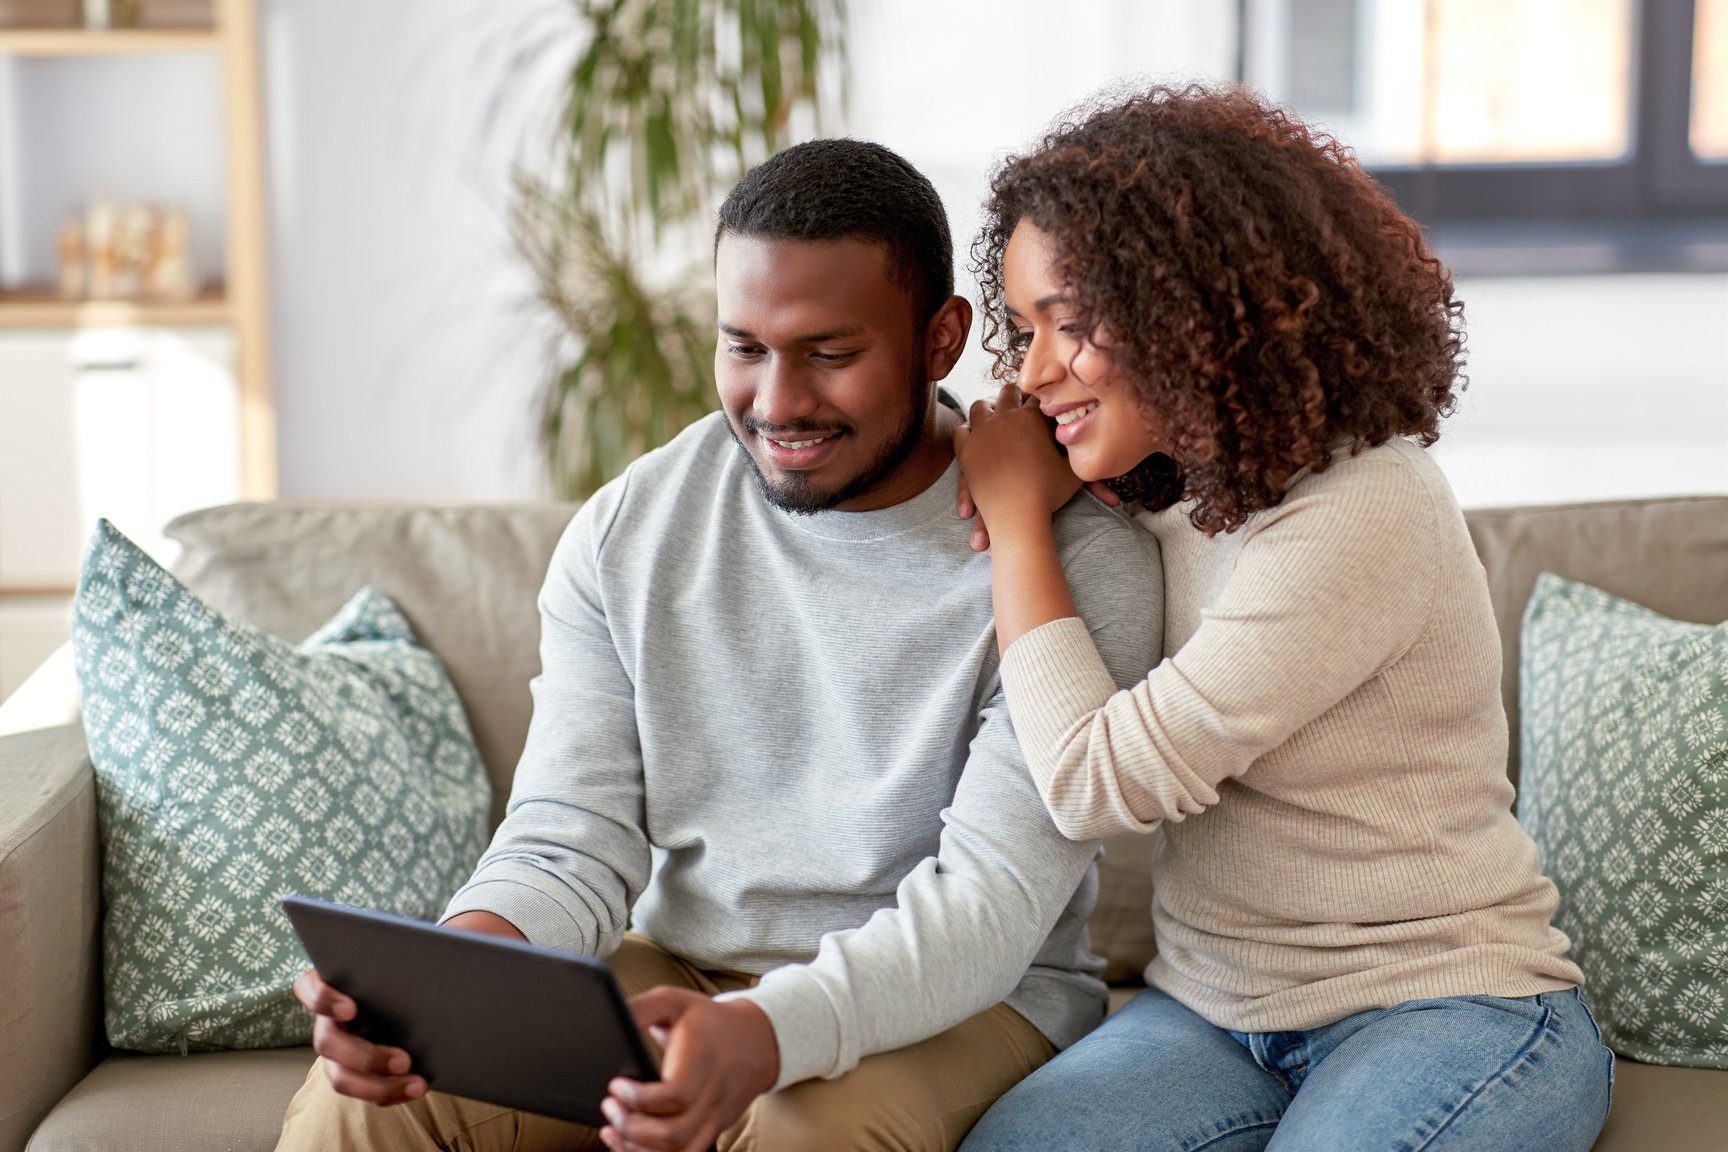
x=624 y=1090
x=614 y=1114
x=415 y=1089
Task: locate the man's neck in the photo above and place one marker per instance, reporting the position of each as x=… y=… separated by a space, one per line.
x=935 y=451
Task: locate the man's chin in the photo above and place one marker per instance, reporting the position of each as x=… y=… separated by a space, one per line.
x=793 y=492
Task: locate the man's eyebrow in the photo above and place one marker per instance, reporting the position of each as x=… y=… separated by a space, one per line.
x=843 y=332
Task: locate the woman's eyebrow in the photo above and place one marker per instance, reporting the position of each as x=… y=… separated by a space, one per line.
x=1042 y=304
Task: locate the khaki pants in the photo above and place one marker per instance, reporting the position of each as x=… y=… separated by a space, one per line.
x=924 y=1096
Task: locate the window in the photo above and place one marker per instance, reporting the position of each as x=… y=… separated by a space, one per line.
x=1709 y=137
x=1527 y=135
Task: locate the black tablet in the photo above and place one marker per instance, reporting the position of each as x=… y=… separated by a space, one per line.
x=481 y=1016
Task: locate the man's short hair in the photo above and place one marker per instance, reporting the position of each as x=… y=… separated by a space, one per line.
x=850 y=190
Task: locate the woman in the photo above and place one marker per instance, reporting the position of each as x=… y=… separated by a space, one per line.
x=1225 y=319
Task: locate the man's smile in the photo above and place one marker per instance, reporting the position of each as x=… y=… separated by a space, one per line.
x=794 y=449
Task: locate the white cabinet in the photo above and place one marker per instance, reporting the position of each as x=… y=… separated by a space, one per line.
x=40 y=530
x=31 y=628
x=135 y=425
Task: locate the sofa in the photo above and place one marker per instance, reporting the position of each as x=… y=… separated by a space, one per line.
x=467 y=577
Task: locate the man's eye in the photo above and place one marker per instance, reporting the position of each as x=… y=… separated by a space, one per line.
x=831 y=357
x=743 y=351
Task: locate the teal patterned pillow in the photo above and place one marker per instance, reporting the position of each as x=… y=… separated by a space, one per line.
x=232 y=766
x=1624 y=786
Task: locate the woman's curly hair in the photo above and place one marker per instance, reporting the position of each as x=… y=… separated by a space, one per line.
x=1255 y=289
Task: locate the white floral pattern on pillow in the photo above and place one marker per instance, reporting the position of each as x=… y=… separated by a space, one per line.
x=231 y=767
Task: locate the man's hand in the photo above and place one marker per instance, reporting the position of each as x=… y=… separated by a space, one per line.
x=719 y=1058
x=360 y=1068
x=356 y=1067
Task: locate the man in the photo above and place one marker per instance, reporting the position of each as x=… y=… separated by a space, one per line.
x=769 y=734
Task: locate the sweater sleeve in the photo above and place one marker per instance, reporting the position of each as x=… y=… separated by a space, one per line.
x=1329 y=587
x=570 y=858
x=968 y=923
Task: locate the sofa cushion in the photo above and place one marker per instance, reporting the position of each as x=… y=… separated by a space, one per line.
x=1121 y=926
x=231 y=767
x=1667 y=554
x=467 y=579
x=1666 y=1109
x=209 y=1102
x=1625 y=739
x=234 y=1102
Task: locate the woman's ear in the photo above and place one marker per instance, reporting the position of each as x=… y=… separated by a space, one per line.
x=945 y=336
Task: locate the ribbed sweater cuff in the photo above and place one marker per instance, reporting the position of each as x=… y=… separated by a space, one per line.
x=1054 y=679
x=805 y=1024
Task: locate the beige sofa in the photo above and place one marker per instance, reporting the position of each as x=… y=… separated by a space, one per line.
x=467 y=578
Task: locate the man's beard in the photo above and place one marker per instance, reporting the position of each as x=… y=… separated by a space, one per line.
x=794 y=492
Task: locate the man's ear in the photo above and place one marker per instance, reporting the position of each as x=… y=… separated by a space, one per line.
x=945 y=336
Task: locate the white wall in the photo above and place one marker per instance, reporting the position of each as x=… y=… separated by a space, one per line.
x=956 y=87
x=1585 y=388
x=406 y=365
x=405 y=355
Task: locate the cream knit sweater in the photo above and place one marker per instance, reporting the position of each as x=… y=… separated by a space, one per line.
x=1322 y=753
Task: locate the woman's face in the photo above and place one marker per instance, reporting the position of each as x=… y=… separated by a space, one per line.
x=1104 y=430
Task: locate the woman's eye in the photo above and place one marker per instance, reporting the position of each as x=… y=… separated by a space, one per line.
x=1020 y=338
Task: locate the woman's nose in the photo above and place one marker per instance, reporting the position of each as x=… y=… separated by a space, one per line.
x=1040 y=367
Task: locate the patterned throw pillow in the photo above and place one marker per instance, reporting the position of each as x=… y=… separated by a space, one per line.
x=1624 y=786
x=231 y=767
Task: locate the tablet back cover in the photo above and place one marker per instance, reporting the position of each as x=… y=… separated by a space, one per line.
x=481 y=1016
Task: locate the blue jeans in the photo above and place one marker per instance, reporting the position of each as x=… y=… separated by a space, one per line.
x=1468 y=1072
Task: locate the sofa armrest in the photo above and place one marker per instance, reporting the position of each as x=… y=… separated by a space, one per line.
x=50 y=967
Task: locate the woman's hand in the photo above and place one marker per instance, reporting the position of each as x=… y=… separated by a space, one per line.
x=1012 y=469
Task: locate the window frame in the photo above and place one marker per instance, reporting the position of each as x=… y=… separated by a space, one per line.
x=1658 y=208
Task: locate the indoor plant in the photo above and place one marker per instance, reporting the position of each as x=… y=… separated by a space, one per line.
x=666 y=104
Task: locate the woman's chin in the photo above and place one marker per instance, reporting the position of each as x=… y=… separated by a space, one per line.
x=1087 y=469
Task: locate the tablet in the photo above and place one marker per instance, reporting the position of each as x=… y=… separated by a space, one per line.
x=482 y=1016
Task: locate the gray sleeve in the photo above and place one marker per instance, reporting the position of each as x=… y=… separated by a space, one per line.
x=570 y=859
x=968 y=923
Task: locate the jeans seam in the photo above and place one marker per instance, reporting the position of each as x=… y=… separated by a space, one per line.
x=1211 y=1140
x=1540 y=1036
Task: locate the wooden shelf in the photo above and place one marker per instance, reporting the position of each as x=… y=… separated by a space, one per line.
x=27 y=309
x=118 y=42
x=37 y=592
x=230 y=35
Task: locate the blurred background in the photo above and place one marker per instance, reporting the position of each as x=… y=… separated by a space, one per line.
x=440 y=250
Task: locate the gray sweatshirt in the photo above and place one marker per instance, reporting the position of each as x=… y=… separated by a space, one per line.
x=777 y=744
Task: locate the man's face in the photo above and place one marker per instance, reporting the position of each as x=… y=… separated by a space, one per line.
x=820 y=370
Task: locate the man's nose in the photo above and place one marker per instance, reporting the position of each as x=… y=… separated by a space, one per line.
x=783 y=394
